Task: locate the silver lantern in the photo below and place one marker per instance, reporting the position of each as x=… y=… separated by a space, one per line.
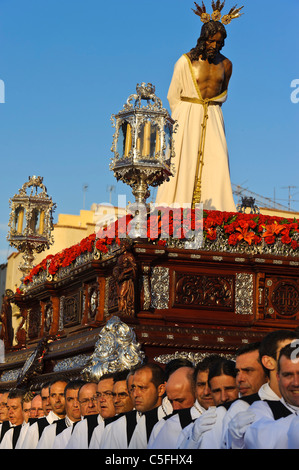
x=31 y=221
x=143 y=144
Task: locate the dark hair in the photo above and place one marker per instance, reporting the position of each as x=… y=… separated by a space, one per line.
x=247 y=348
x=74 y=385
x=288 y=351
x=121 y=375
x=158 y=377
x=108 y=375
x=270 y=343
x=45 y=385
x=208 y=29
x=206 y=364
x=223 y=367
x=55 y=381
x=175 y=364
x=17 y=393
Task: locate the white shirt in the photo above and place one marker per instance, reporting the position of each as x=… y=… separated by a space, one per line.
x=266 y=432
x=79 y=436
x=293 y=434
x=185 y=440
x=139 y=438
x=62 y=439
x=32 y=435
x=1 y=424
x=219 y=437
x=114 y=435
x=165 y=435
x=96 y=438
x=49 y=434
x=22 y=436
x=227 y=441
x=7 y=441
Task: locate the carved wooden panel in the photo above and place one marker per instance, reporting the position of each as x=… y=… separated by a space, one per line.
x=70 y=309
x=281 y=297
x=204 y=291
x=112 y=295
x=285 y=298
x=34 y=321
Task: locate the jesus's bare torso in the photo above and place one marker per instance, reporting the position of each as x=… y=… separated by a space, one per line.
x=212 y=78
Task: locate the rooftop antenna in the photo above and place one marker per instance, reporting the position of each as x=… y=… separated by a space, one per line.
x=110 y=189
x=85 y=187
x=290 y=196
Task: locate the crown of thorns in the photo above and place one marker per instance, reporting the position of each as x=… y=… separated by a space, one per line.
x=217 y=15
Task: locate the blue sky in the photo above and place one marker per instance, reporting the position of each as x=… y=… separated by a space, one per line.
x=68 y=65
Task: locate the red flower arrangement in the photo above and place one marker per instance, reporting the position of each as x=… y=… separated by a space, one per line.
x=237 y=228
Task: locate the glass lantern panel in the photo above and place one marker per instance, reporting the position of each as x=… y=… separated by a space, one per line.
x=155 y=141
x=15 y=219
x=20 y=216
x=41 y=222
x=167 y=134
x=34 y=221
x=124 y=142
x=148 y=139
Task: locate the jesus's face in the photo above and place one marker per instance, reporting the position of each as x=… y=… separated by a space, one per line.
x=213 y=45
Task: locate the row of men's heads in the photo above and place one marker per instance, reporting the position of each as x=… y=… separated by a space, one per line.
x=216 y=380
x=213 y=381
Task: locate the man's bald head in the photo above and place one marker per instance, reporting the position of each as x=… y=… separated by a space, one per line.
x=180 y=388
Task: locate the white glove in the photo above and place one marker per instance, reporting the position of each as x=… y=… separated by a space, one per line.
x=204 y=423
x=238 y=425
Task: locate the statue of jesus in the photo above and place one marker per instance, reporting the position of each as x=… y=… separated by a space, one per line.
x=197 y=91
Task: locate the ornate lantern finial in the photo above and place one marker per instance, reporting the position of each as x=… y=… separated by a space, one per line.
x=31 y=221
x=142 y=144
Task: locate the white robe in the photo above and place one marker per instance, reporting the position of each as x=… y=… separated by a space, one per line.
x=1 y=424
x=7 y=441
x=32 y=436
x=293 y=434
x=166 y=433
x=216 y=191
x=219 y=436
x=61 y=441
x=139 y=437
x=228 y=441
x=102 y=434
x=79 y=436
x=266 y=432
x=22 y=436
x=113 y=436
x=185 y=440
x=49 y=434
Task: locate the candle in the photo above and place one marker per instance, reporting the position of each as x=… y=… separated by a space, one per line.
x=128 y=144
x=20 y=220
x=41 y=222
x=146 y=139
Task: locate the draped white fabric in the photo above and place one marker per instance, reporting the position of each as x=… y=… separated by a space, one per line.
x=216 y=191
